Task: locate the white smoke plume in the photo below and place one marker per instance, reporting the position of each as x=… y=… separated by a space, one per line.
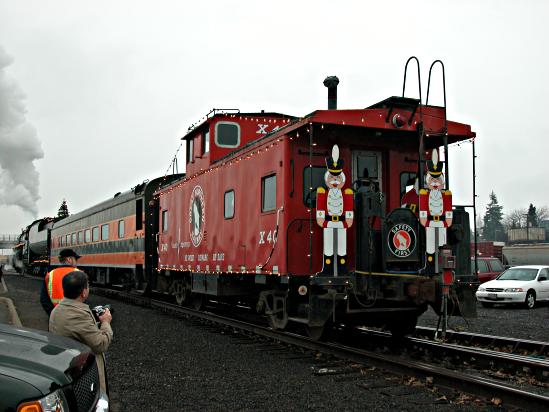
x=19 y=146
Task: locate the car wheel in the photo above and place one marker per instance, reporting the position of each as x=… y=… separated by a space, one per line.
x=487 y=304
x=530 y=300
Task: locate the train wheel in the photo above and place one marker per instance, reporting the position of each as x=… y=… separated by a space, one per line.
x=276 y=312
x=277 y=321
x=402 y=326
x=317 y=333
x=198 y=301
x=181 y=292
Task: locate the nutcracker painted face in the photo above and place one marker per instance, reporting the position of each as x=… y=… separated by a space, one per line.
x=434 y=178
x=334 y=177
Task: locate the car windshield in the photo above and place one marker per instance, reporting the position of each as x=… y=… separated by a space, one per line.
x=518 y=274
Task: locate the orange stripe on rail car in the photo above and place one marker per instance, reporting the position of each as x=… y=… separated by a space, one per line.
x=109 y=259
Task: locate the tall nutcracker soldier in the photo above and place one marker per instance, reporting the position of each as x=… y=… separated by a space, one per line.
x=435 y=210
x=334 y=213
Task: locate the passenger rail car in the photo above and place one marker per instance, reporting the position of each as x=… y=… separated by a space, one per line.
x=242 y=224
x=116 y=238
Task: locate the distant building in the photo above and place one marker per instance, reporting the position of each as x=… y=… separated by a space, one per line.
x=527 y=235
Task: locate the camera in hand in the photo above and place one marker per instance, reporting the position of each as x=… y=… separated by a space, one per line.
x=100 y=310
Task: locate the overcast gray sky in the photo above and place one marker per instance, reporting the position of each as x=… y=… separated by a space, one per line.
x=94 y=96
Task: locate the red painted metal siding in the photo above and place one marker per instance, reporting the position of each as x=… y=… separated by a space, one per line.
x=227 y=244
x=245 y=241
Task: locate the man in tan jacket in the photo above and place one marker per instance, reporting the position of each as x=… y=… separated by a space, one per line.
x=74 y=319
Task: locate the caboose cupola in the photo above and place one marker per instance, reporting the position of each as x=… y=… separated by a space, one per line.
x=226 y=131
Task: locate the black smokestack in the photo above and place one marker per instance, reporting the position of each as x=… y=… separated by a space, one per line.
x=331 y=83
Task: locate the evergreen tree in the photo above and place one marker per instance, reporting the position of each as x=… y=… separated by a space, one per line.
x=63 y=211
x=493 y=226
x=532 y=217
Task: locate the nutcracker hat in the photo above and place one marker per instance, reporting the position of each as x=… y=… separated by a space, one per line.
x=434 y=167
x=334 y=163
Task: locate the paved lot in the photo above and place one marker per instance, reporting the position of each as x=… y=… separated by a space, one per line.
x=501 y=320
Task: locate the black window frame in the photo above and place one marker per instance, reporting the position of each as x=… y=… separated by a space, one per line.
x=139 y=214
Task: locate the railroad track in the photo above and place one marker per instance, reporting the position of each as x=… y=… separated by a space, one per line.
x=498 y=343
x=402 y=363
x=489 y=359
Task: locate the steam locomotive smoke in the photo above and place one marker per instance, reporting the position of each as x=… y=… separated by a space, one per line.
x=19 y=146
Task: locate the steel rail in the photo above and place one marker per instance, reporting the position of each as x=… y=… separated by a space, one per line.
x=480 y=355
x=473 y=339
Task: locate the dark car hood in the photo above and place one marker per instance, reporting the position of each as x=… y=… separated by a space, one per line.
x=39 y=358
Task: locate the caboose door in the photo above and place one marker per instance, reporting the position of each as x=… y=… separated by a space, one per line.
x=367 y=169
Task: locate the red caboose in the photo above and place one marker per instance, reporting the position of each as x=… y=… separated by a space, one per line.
x=242 y=224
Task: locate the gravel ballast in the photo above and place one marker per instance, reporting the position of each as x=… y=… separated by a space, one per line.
x=160 y=362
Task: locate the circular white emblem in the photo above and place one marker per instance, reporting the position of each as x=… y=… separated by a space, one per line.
x=197 y=215
x=401 y=240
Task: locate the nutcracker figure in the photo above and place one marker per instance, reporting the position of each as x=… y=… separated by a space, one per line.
x=435 y=210
x=334 y=213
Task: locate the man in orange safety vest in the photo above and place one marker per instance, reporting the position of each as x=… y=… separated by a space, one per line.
x=52 y=288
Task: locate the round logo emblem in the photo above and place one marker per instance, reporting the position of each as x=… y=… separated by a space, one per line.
x=401 y=240
x=197 y=215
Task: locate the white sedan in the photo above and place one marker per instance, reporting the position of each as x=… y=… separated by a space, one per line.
x=519 y=284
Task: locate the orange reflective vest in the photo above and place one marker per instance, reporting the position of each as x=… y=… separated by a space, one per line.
x=54 y=283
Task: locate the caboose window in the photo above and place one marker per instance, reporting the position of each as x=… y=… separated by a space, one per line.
x=87 y=236
x=80 y=238
x=68 y=240
x=104 y=232
x=227 y=134
x=367 y=166
x=206 y=141
x=309 y=190
x=164 y=220
x=120 y=229
x=407 y=181
x=268 y=193
x=190 y=150
x=95 y=234
x=73 y=236
x=229 y=204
